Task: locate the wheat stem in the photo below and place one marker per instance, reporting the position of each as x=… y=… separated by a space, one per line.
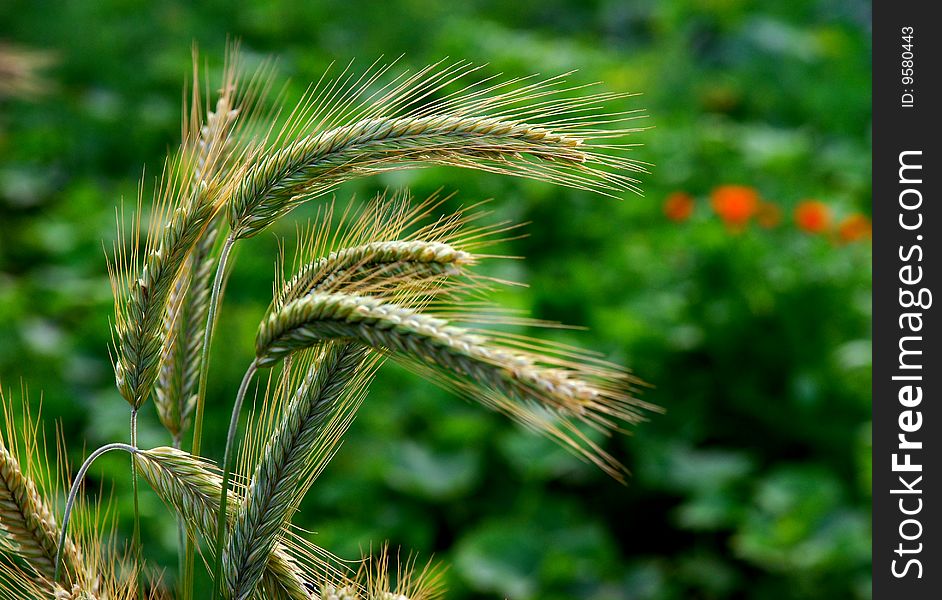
x=214 y=300
x=201 y=389
x=73 y=494
x=136 y=533
x=226 y=471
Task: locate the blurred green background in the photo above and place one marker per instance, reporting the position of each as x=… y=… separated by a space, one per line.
x=756 y=336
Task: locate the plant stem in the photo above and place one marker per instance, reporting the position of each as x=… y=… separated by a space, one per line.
x=207 y=341
x=187 y=575
x=73 y=493
x=226 y=470
x=181 y=531
x=136 y=535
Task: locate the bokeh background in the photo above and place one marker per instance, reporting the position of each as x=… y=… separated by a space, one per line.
x=738 y=285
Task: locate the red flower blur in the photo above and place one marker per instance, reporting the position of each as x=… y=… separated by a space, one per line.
x=679 y=206
x=812 y=216
x=735 y=204
x=855 y=227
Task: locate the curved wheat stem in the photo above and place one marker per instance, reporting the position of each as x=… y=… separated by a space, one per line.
x=506 y=378
x=316 y=417
x=192 y=488
x=30 y=525
x=63 y=542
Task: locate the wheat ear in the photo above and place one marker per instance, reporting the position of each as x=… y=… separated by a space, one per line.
x=29 y=523
x=506 y=378
x=140 y=300
x=185 y=313
x=192 y=488
x=315 y=419
x=385 y=247
x=310 y=167
x=191 y=189
x=376 y=261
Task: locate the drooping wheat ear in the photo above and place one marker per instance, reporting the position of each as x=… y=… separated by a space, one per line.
x=372 y=263
x=191 y=190
x=540 y=390
x=141 y=294
x=321 y=410
x=27 y=521
x=310 y=167
x=192 y=488
x=387 y=248
x=346 y=128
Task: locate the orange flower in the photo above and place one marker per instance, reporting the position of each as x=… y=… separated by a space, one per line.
x=769 y=215
x=735 y=204
x=678 y=206
x=812 y=216
x=855 y=227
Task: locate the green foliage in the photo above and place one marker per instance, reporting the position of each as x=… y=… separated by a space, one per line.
x=756 y=481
